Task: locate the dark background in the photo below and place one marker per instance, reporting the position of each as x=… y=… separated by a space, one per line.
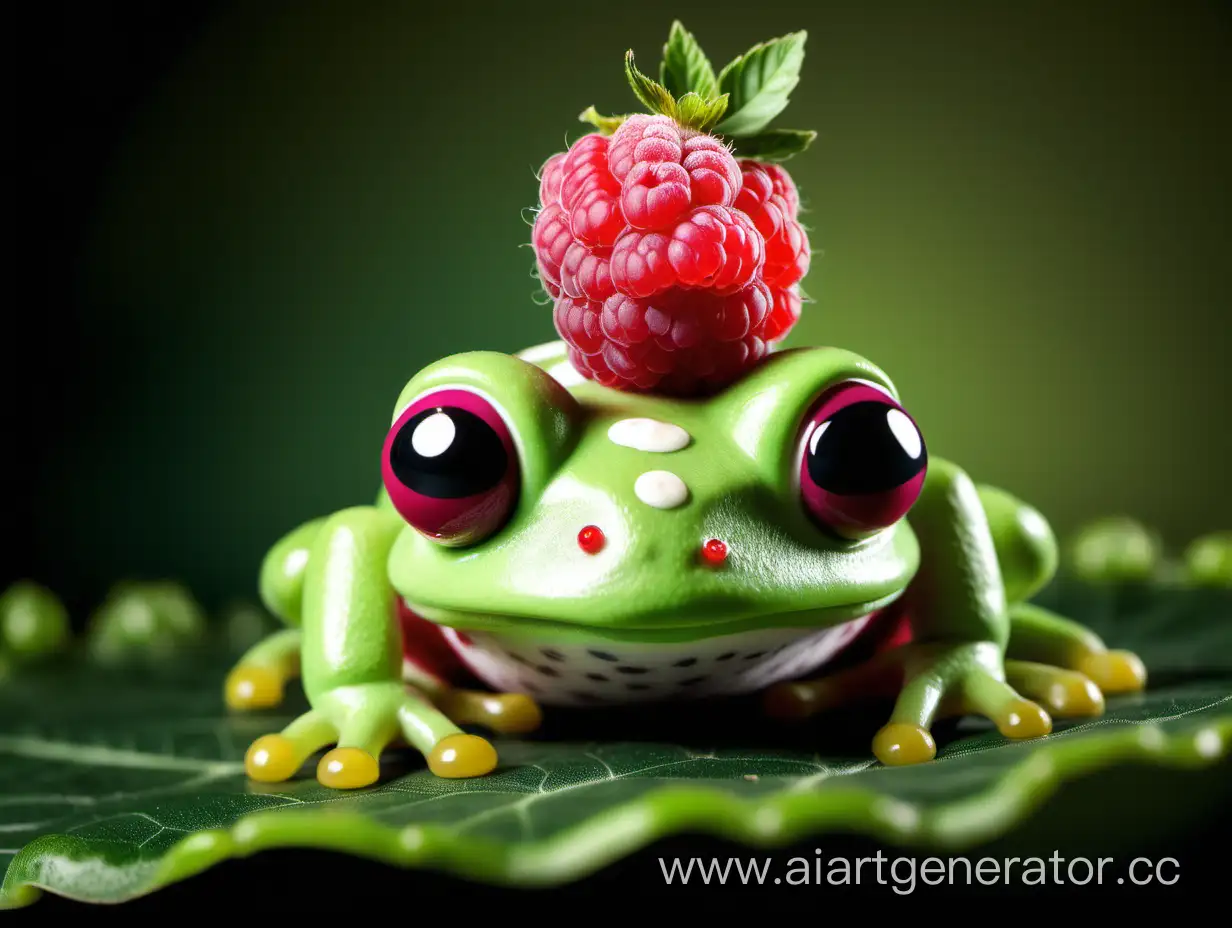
x=241 y=228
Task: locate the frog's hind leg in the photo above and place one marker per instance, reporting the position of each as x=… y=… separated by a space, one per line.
x=504 y=713
x=261 y=675
x=878 y=678
x=1042 y=637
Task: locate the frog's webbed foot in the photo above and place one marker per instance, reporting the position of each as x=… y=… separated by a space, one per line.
x=361 y=721
x=931 y=681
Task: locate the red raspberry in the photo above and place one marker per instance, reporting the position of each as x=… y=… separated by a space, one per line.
x=551 y=239
x=664 y=169
x=784 y=315
x=549 y=179
x=586 y=273
x=671 y=266
x=644 y=138
x=596 y=219
x=580 y=318
x=585 y=167
x=655 y=194
x=680 y=341
x=787 y=254
x=784 y=186
x=787 y=244
x=715 y=248
x=714 y=173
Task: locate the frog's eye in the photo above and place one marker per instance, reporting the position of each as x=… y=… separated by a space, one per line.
x=862 y=460
x=451 y=468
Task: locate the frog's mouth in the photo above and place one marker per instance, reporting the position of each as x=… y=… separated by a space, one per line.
x=648 y=630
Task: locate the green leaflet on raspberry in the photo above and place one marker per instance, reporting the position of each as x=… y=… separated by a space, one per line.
x=685 y=68
x=737 y=105
x=605 y=124
x=774 y=144
x=760 y=83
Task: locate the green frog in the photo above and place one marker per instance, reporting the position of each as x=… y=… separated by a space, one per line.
x=540 y=540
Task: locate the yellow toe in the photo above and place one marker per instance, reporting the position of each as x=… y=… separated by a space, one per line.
x=253 y=688
x=1023 y=719
x=271 y=759
x=458 y=756
x=1073 y=694
x=791 y=701
x=899 y=744
x=1115 y=671
x=515 y=713
x=348 y=768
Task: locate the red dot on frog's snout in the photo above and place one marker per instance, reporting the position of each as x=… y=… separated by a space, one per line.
x=714 y=551
x=591 y=539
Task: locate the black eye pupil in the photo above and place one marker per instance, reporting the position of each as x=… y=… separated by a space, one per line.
x=448 y=453
x=867 y=447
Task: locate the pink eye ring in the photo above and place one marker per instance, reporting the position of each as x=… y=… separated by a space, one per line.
x=862 y=461
x=450 y=467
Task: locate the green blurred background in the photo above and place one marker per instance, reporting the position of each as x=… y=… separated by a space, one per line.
x=1021 y=211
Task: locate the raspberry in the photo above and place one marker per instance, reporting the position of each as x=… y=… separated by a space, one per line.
x=784 y=186
x=551 y=239
x=672 y=266
x=664 y=168
x=586 y=273
x=787 y=245
x=549 y=179
x=596 y=219
x=580 y=318
x=713 y=171
x=655 y=194
x=643 y=138
x=681 y=341
x=585 y=167
x=715 y=248
x=787 y=253
x=784 y=314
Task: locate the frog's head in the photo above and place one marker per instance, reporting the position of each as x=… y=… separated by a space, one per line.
x=534 y=498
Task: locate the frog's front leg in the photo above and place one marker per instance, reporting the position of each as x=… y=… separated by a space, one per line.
x=351 y=662
x=961 y=626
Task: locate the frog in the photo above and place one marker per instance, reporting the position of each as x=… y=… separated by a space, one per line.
x=540 y=542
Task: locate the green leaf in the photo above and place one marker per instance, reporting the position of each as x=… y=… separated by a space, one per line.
x=774 y=144
x=685 y=68
x=760 y=83
x=699 y=113
x=116 y=783
x=605 y=124
x=654 y=96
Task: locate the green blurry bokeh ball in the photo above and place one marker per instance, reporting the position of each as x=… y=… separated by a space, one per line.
x=1020 y=211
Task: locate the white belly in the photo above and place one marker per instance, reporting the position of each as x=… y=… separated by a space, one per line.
x=611 y=672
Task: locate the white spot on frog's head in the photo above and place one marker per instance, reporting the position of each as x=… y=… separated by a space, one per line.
x=566 y=374
x=648 y=435
x=661 y=489
x=433 y=436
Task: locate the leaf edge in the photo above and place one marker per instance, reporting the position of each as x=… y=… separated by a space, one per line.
x=667 y=811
